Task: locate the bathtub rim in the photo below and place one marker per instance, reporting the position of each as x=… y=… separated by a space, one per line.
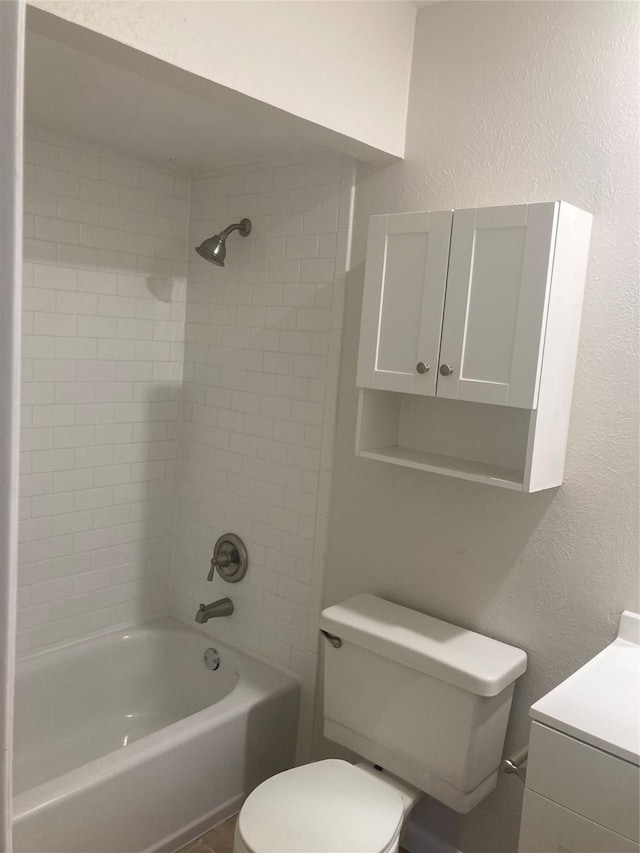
x=167 y=620
x=255 y=677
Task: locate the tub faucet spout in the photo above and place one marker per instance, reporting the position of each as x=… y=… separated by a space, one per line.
x=222 y=607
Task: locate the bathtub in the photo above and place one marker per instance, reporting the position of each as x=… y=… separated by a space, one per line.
x=128 y=742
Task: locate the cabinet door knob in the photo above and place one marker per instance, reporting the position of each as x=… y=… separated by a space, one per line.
x=421 y=367
x=446 y=370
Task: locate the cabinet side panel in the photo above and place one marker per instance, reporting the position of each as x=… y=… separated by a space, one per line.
x=377 y=426
x=546 y=462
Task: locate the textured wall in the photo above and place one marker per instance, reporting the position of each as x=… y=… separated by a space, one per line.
x=316 y=61
x=262 y=354
x=102 y=346
x=513 y=102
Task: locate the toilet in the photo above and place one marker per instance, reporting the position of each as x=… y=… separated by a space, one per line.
x=424 y=702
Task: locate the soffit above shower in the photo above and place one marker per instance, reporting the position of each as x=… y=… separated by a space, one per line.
x=84 y=84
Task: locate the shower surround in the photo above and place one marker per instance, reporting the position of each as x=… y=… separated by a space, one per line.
x=139 y=450
x=263 y=338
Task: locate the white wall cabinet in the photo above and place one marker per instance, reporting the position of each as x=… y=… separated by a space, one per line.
x=482 y=307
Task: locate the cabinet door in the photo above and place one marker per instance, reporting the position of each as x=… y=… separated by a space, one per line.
x=497 y=296
x=405 y=281
x=549 y=828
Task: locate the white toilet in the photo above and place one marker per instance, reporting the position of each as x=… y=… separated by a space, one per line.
x=426 y=702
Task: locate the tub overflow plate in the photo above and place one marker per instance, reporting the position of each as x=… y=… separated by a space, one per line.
x=212 y=658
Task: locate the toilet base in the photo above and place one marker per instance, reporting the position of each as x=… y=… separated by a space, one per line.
x=240 y=847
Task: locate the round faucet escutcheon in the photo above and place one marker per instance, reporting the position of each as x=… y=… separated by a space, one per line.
x=230 y=559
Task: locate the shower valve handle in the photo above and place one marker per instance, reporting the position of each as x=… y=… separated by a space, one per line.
x=222 y=560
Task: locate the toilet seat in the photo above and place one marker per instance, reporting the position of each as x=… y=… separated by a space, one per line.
x=325 y=807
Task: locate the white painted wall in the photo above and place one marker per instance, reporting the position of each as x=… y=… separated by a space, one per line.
x=344 y=66
x=11 y=89
x=262 y=356
x=513 y=102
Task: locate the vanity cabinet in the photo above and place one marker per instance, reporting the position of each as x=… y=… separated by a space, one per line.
x=582 y=790
x=468 y=340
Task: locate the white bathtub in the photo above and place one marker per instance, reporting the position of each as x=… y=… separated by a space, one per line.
x=196 y=742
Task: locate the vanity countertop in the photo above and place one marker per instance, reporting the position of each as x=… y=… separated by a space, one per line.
x=600 y=703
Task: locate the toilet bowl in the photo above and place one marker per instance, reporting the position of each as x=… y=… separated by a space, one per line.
x=425 y=700
x=328 y=806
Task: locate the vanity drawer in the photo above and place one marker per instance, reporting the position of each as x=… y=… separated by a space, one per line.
x=585 y=780
x=550 y=828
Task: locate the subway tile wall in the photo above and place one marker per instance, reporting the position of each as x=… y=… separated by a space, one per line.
x=139 y=449
x=103 y=351
x=263 y=337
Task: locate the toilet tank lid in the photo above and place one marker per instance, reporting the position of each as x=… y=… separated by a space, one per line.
x=463 y=658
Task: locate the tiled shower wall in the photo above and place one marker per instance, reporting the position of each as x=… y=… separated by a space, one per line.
x=103 y=305
x=105 y=465
x=263 y=338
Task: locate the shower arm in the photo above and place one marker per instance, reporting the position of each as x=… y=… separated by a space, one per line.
x=244 y=227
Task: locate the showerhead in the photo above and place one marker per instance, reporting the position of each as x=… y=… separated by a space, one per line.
x=214 y=249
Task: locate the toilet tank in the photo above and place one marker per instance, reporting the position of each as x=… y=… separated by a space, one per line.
x=422 y=698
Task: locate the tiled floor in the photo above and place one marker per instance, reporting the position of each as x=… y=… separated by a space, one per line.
x=220 y=839
x=217 y=840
